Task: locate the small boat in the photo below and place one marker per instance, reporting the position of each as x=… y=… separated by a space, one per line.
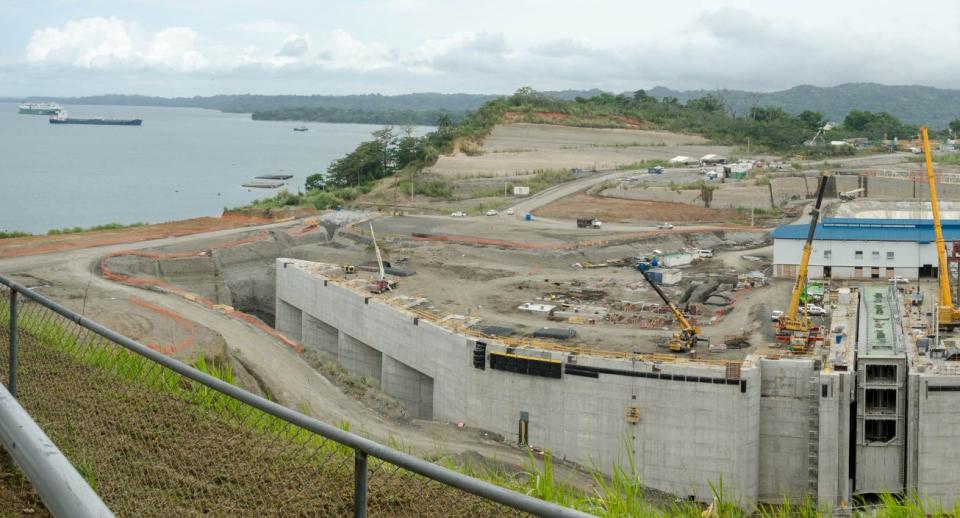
x=274 y=177
x=61 y=118
x=301 y=127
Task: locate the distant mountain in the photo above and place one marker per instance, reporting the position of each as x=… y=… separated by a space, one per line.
x=912 y=104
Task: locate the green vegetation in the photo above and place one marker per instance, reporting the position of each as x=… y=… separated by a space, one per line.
x=320 y=199
x=11 y=234
x=77 y=230
x=644 y=164
x=340 y=115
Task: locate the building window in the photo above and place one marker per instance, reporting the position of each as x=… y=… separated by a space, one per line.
x=827 y=254
x=858 y=254
x=875 y=255
x=889 y=256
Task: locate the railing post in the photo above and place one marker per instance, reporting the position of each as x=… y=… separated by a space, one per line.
x=360 y=484
x=13 y=343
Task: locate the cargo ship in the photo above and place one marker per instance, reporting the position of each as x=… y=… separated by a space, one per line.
x=61 y=118
x=39 y=108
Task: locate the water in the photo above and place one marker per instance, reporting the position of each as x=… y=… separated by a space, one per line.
x=182 y=163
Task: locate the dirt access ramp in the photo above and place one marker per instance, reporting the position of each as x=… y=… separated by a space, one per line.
x=513 y=149
x=624 y=211
x=23 y=246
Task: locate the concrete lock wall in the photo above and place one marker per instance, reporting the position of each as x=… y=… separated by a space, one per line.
x=937 y=472
x=788 y=390
x=695 y=426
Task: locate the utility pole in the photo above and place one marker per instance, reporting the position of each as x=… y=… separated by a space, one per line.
x=752 y=203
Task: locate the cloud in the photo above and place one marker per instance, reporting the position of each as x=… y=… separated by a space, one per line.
x=295 y=46
x=100 y=43
x=87 y=43
x=344 y=52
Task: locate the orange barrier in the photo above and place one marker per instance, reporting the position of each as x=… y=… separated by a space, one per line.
x=182 y=322
x=144 y=281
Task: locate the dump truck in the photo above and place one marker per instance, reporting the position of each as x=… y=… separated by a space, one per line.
x=588 y=223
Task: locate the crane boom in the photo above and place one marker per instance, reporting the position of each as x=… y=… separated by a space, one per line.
x=687 y=337
x=947 y=314
x=383 y=274
x=792 y=325
x=802 y=270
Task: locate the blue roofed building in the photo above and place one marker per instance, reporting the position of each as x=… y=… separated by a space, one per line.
x=851 y=248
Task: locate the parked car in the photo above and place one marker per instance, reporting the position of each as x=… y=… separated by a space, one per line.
x=655 y=170
x=706 y=253
x=897 y=279
x=665 y=226
x=775 y=316
x=815 y=310
x=510 y=211
x=458 y=214
x=492 y=212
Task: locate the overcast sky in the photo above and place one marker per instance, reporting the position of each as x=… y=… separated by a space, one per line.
x=204 y=47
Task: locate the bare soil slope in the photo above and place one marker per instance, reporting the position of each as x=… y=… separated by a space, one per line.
x=516 y=148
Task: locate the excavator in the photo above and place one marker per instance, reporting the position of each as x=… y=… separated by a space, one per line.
x=948 y=316
x=687 y=337
x=795 y=326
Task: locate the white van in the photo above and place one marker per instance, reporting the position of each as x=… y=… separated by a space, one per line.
x=706 y=253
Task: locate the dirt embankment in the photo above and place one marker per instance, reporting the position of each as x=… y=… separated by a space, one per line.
x=513 y=149
x=23 y=246
x=620 y=210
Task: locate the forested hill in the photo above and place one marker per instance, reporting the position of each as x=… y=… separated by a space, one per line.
x=909 y=103
x=248 y=103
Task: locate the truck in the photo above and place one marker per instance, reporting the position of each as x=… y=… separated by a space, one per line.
x=588 y=223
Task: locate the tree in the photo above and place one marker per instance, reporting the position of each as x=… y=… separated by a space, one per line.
x=707 y=104
x=444 y=122
x=315 y=182
x=642 y=96
x=954 y=125
x=813 y=120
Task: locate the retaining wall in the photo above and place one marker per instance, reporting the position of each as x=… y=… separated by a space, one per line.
x=696 y=422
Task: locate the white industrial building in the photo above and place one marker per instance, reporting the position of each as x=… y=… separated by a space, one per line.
x=847 y=248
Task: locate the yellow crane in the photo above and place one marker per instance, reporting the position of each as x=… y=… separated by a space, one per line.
x=795 y=326
x=947 y=314
x=687 y=337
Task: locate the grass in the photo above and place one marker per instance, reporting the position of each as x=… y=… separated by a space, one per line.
x=95 y=228
x=644 y=164
x=12 y=234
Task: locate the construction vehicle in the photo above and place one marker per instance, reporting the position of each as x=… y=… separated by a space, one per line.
x=381 y=284
x=793 y=326
x=686 y=338
x=850 y=195
x=589 y=223
x=948 y=316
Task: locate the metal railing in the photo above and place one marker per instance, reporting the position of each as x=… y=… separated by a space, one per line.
x=158 y=436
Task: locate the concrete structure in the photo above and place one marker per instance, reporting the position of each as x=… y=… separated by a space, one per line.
x=770 y=427
x=848 y=248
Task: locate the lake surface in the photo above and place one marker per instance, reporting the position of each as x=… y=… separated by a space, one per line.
x=182 y=163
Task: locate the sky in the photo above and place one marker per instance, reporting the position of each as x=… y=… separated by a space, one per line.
x=205 y=47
